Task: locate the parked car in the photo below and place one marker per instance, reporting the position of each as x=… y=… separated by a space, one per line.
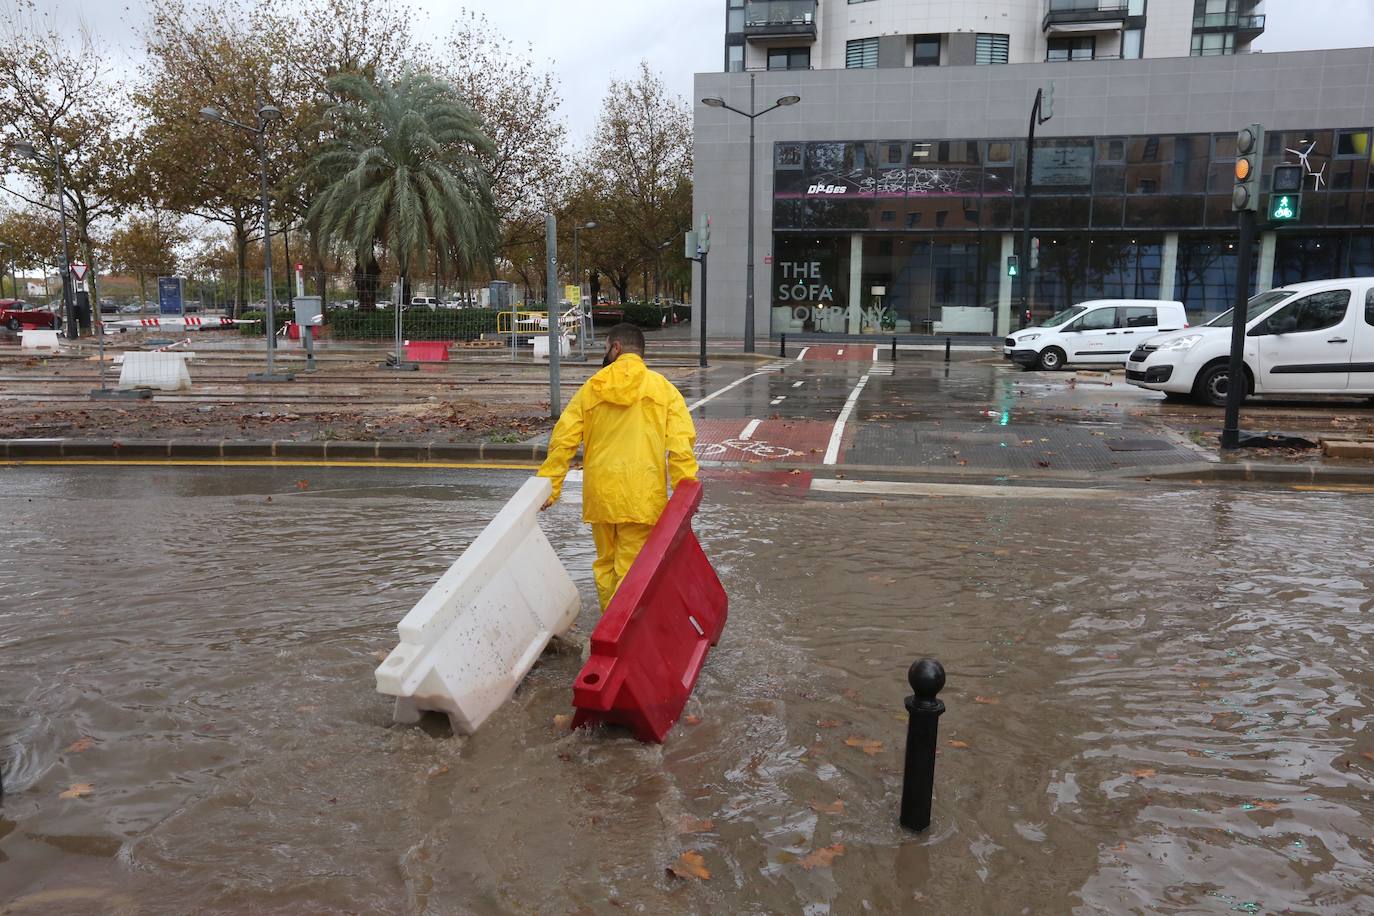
x=428 y=302
x=17 y=315
x=1097 y=332
x=1308 y=338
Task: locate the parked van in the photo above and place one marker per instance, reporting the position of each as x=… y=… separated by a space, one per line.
x=425 y=302
x=1307 y=338
x=1097 y=332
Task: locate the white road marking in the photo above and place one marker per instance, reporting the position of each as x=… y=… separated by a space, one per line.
x=778 y=400
x=840 y=352
x=798 y=384
x=802 y=353
x=832 y=452
x=749 y=429
x=978 y=491
x=715 y=394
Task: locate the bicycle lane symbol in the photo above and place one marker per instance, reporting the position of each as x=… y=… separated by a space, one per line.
x=729 y=448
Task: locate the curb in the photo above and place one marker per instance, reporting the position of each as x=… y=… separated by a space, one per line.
x=231 y=449
x=1255 y=472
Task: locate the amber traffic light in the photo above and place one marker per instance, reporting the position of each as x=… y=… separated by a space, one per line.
x=1245 y=195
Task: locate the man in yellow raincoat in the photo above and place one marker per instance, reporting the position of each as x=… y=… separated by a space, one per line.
x=637 y=437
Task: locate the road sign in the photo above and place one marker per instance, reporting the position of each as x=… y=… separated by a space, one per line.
x=79 y=271
x=169 y=296
x=768 y=259
x=1285 y=208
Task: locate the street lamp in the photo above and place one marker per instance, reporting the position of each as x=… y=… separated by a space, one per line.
x=582 y=309
x=266 y=115
x=751 y=114
x=26 y=149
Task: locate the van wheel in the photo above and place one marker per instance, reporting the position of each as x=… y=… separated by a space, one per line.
x=14 y=324
x=1213 y=384
x=1051 y=359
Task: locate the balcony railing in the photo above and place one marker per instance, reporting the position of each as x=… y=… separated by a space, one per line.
x=764 y=18
x=1061 y=57
x=1229 y=21
x=1064 y=11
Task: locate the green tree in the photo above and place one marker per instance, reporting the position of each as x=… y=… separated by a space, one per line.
x=33 y=238
x=402 y=172
x=147 y=244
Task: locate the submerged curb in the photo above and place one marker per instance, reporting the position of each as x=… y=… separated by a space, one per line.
x=1257 y=472
x=230 y=449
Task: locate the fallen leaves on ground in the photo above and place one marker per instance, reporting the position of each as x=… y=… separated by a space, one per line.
x=1267 y=805
x=828 y=723
x=1143 y=772
x=80 y=745
x=78 y=790
x=822 y=857
x=692 y=720
x=688 y=824
x=690 y=865
x=987 y=701
x=1367 y=755
x=835 y=807
x=867 y=745
x=562 y=720
x=302 y=485
x=438 y=771
x=961 y=745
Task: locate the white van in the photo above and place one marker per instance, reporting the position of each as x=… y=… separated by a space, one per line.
x=1308 y=338
x=1097 y=332
x=424 y=302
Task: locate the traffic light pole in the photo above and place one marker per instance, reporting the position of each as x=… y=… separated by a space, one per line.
x=1235 y=383
x=1024 y=265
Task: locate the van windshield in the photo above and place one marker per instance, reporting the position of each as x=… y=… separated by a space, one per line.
x=1256 y=307
x=1069 y=314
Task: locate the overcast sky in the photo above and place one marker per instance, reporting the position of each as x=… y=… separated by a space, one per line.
x=591 y=41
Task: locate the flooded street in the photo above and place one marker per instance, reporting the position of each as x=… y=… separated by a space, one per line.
x=1159 y=700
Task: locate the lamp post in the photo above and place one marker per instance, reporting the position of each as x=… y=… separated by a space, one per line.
x=6 y=249
x=582 y=311
x=752 y=115
x=266 y=115
x=26 y=149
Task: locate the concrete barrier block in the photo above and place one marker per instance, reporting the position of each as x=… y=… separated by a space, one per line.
x=39 y=340
x=159 y=371
x=1348 y=448
x=471 y=639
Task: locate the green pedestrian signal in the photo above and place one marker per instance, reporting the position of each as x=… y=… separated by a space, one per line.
x=1284 y=208
x=1013 y=265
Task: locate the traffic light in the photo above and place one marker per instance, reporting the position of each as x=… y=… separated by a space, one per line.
x=1013 y=265
x=1285 y=201
x=1035 y=254
x=1249 y=152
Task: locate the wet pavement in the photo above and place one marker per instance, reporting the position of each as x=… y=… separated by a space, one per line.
x=921 y=413
x=1158 y=701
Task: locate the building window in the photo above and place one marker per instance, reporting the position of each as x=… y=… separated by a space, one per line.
x=990 y=49
x=789 y=58
x=734 y=58
x=861 y=54
x=925 y=51
x=1210 y=44
x=1062 y=49
x=1132 y=41
x=734 y=17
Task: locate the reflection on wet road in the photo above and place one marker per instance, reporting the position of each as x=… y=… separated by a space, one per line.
x=1157 y=702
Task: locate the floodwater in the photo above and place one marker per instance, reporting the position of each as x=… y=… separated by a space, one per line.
x=1157 y=702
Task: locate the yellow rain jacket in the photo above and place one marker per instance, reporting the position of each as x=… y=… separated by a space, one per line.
x=638 y=436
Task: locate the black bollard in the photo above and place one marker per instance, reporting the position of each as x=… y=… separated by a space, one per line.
x=946 y=349
x=894 y=349
x=927 y=677
x=782 y=345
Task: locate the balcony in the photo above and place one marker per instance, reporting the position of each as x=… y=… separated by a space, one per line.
x=1076 y=15
x=780 y=19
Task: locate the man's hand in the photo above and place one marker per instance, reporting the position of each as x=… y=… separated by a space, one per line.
x=548 y=502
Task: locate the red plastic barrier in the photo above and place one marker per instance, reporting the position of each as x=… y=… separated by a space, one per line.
x=427 y=351
x=652 y=641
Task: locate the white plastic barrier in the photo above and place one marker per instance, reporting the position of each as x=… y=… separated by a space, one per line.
x=163 y=371
x=541 y=345
x=468 y=643
x=38 y=340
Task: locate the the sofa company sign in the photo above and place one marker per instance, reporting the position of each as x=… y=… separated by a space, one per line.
x=810 y=297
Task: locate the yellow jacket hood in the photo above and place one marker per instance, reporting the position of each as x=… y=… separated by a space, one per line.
x=622 y=382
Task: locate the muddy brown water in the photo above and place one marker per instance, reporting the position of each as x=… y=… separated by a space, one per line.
x=1157 y=702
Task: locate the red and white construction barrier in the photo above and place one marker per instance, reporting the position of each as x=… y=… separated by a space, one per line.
x=189 y=323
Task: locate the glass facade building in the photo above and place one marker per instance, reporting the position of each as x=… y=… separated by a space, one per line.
x=912 y=235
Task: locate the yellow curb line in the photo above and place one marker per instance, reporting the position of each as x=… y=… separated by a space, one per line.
x=266 y=462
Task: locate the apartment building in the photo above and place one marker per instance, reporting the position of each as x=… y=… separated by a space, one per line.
x=858 y=34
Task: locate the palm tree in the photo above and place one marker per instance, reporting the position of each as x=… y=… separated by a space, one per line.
x=403 y=171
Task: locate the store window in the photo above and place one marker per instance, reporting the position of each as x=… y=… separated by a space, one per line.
x=990 y=49
x=861 y=54
x=925 y=51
